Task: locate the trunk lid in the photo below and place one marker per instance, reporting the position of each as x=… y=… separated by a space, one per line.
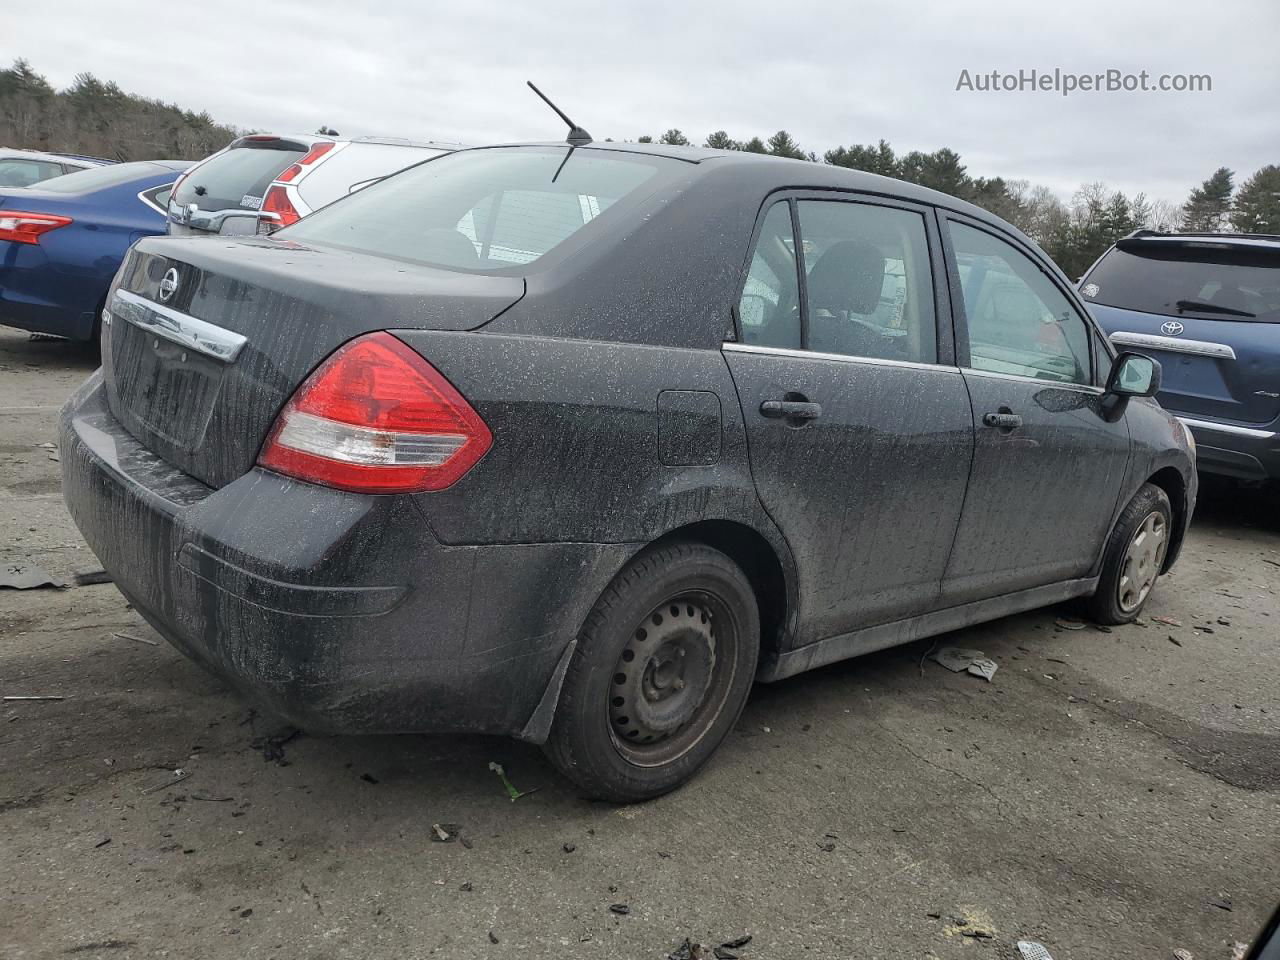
x=1223 y=369
x=197 y=367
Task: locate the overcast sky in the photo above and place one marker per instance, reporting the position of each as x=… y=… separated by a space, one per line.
x=830 y=73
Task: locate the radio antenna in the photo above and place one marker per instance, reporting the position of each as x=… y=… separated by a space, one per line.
x=577 y=136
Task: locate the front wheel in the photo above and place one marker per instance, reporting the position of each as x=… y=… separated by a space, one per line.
x=1135 y=555
x=661 y=671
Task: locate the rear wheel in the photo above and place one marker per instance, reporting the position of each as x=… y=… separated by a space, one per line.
x=1135 y=555
x=660 y=674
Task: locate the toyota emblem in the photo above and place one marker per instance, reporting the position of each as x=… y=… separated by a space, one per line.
x=1171 y=327
x=169 y=286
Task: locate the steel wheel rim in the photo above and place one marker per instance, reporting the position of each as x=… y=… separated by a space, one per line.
x=661 y=703
x=1142 y=561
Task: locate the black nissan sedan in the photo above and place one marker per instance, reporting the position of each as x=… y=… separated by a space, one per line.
x=573 y=444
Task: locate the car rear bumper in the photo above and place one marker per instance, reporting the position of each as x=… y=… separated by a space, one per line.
x=338 y=611
x=1233 y=450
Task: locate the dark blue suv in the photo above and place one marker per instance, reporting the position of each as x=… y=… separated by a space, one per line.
x=1208 y=307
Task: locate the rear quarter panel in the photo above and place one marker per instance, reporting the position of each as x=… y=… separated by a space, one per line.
x=576 y=441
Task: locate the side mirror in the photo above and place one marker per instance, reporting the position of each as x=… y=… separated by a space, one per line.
x=1134 y=375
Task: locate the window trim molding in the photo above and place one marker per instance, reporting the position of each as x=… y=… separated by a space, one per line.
x=735 y=347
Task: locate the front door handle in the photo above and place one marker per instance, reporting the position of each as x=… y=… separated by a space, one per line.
x=1004 y=421
x=791 y=409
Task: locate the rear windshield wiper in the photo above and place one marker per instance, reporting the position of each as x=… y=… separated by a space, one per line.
x=1201 y=307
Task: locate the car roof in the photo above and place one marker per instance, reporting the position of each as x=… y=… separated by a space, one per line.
x=1264 y=241
x=794 y=174
x=52 y=157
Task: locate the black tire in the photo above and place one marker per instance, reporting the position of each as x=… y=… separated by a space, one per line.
x=1115 y=601
x=684 y=614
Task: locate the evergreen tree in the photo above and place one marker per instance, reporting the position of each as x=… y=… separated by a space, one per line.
x=1209 y=204
x=1257 y=207
x=781 y=145
x=755 y=145
x=722 y=141
x=878 y=159
x=645 y=139
x=675 y=138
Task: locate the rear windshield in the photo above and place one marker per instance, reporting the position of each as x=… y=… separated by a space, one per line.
x=98 y=178
x=485 y=210
x=237 y=179
x=1198 y=279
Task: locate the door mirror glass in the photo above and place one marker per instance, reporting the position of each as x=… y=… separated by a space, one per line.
x=1133 y=375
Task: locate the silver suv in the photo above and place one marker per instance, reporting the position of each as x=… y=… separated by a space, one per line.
x=278 y=180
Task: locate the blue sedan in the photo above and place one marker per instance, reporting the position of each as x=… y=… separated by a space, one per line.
x=62 y=241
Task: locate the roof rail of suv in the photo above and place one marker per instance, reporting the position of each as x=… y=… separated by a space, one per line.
x=1202 y=235
x=404 y=142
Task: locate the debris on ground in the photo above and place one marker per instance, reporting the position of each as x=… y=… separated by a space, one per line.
x=272 y=745
x=1167 y=621
x=493 y=937
x=1222 y=903
x=512 y=792
x=208 y=799
x=1174 y=640
x=178 y=776
x=102 y=843
x=1238 y=950
x=87 y=578
x=569 y=848
x=958 y=660
x=370 y=778
x=973 y=927
x=34 y=697
x=1064 y=624
x=1031 y=950
x=21 y=575
x=621 y=909
x=691 y=950
x=130 y=636
x=1181 y=954
x=827 y=847
x=445 y=832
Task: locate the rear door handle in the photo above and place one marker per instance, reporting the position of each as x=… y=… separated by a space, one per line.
x=1004 y=421
x=791 y=409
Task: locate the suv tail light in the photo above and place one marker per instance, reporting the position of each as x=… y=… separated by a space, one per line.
x=277 y=201
x=18 y=226
x=375 y=417
x=295 y=170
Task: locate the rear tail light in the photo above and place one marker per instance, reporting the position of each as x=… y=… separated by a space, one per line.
x=18 y=226
x=277 y=201
x=293 y=171
x=375 y=417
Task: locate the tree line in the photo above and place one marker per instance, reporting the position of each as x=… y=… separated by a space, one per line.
x=1074 y=233
x=97 y=118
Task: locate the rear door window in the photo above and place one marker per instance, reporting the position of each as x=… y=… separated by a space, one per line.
x=486 y=210
x=237 y=179
x=868 y=281
x=1018 y=321
x=1197 y=278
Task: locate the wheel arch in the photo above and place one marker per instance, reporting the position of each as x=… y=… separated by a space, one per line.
x=1171 y=481
x=760 y=561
